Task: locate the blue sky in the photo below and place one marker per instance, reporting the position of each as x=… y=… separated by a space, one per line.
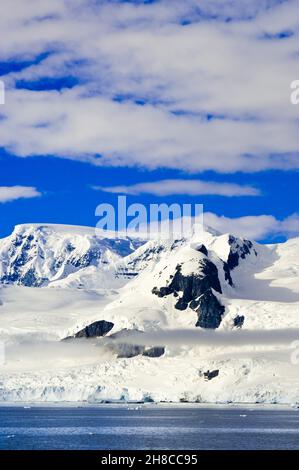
x=68 y=198
x=144 y=96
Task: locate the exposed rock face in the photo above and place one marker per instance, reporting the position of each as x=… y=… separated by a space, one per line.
x=202 y=249
x=113 y=343
x=227 y=274
x=128 y=350
x=192 y=285
x=154 y=352
x=209 y=309
x=239 y=321
x=196 y=292
x=239 y=249
x=98 y=328
x=125 y=350
x=211 y=374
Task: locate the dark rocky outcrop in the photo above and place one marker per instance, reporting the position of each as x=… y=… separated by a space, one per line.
x=227 y=274
x=98 y=328
x=202 y=249
x=239 y=321
x=239 y=249
x=126 y=350
x=192 y=285
x=197 y=293
x=114 y=341
x=209 y=309
x=154 y=352
x=211 y=374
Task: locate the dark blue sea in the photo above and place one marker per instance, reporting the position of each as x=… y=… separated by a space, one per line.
x=151 y=427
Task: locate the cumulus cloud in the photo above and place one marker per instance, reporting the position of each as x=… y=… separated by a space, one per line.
x=11 y=193
x=194 y=85
x=182 y=186
x=254 y=227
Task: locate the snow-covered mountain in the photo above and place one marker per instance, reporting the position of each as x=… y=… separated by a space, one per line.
x=62 y=282
x=40 y=255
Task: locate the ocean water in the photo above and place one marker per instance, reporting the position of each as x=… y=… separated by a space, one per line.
x=131 y=427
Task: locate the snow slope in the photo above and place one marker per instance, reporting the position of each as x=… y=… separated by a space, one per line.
x=57 y=280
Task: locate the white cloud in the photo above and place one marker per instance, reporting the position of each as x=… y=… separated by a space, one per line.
x=11 y=193
x=290 y=225
x=254 y=227
x=233 y=8
x=73 y=125
x=209 y=67
x=182 y=186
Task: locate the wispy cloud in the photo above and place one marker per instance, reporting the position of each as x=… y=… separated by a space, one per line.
x=201 y=88
x=182 y=186
x=199 y=337
x=11 y=193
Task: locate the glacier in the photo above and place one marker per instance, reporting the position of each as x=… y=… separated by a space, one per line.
x=57 y=281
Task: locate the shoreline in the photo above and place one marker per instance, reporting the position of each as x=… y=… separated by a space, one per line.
x=138 y=405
